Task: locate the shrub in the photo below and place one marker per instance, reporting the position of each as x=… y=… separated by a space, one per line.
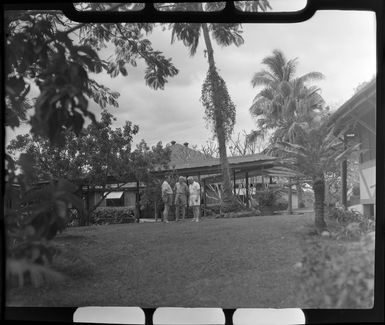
x=350 y=225
x=336 y=276
x=265 y=197
x=112 y=215
x=281 y=204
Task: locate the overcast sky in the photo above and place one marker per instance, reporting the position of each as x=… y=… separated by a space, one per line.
x=340 y=44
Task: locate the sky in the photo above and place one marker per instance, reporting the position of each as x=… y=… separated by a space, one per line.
x=340 y=44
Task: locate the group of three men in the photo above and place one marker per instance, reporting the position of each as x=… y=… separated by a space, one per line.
x=192 y=193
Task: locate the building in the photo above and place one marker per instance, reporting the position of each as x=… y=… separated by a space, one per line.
x=186 y=161
x=358 y=118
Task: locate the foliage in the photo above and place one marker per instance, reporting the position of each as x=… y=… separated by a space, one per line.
x=315 y=153
x=214 y=95
x=285 y=102
x=337 y=276
x=22 y=271
x=333 y=181
x=99 y=153
x=112 y=215
x=91 y=158
x=44 y=51
x=268 y=196
x=32 y=221
x=210 y=149
x=282 y=204
x=350 y=224
x=253 y=6
x=49 y=55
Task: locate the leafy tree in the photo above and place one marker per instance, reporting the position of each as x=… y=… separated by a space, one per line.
x=99 y=154
x=58 y=56
x=219 y=108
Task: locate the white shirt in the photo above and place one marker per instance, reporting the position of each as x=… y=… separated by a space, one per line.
x=194 y=188
x=166 y=188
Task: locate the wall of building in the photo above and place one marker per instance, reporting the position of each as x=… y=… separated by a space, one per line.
x=129 y=199
x=367 y=182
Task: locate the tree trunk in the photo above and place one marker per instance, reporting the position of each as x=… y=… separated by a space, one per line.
x=319 y=202
x=228 y=202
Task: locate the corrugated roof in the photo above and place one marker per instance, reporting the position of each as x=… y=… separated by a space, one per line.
x=212 y=162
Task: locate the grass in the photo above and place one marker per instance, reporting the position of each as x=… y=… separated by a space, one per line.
x=226 y=263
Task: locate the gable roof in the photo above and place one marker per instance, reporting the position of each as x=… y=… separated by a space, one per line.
x=366 y=93
x=181 y=154
x=194 y=162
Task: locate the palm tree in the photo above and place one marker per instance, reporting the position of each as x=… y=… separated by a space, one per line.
x=316 y=152
x=285 y=102
x=219 y=108
x=279 y=101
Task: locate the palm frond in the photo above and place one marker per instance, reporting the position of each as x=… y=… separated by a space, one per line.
x=276 y=63
x=268 y=93
x=258 y=107
x=227 y=34
x=188 y=33
x=254 y=135
x=311 y=76
x=290 y=69
x=264 y=78
x=285 y=88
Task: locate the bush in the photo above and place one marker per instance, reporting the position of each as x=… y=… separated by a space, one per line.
x=281 y=204
x=213 y=209
x=336 y=276
x=112 y=215
x=351 y=225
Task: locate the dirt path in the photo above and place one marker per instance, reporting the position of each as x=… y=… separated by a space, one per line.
x=228 y=263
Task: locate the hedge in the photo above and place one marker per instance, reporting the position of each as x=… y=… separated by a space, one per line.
x=112 y=215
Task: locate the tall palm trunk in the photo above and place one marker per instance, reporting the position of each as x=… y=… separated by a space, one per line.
x=319 y=201
x=228 y=198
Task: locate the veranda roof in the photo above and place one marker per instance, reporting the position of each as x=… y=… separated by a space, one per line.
x=213 y=166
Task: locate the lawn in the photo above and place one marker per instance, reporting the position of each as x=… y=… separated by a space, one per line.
x=227 y=263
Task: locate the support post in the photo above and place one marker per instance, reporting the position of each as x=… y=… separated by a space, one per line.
x=156 y=211
x=204 y=197
x=290 y=198
x=137 y=199
x=88 y=207
x=247 y=190
x=344 y=174
x=234 y=184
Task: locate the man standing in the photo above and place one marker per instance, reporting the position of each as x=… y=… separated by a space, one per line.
x=181 y=193
x=166 y=197
x=194 y=197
